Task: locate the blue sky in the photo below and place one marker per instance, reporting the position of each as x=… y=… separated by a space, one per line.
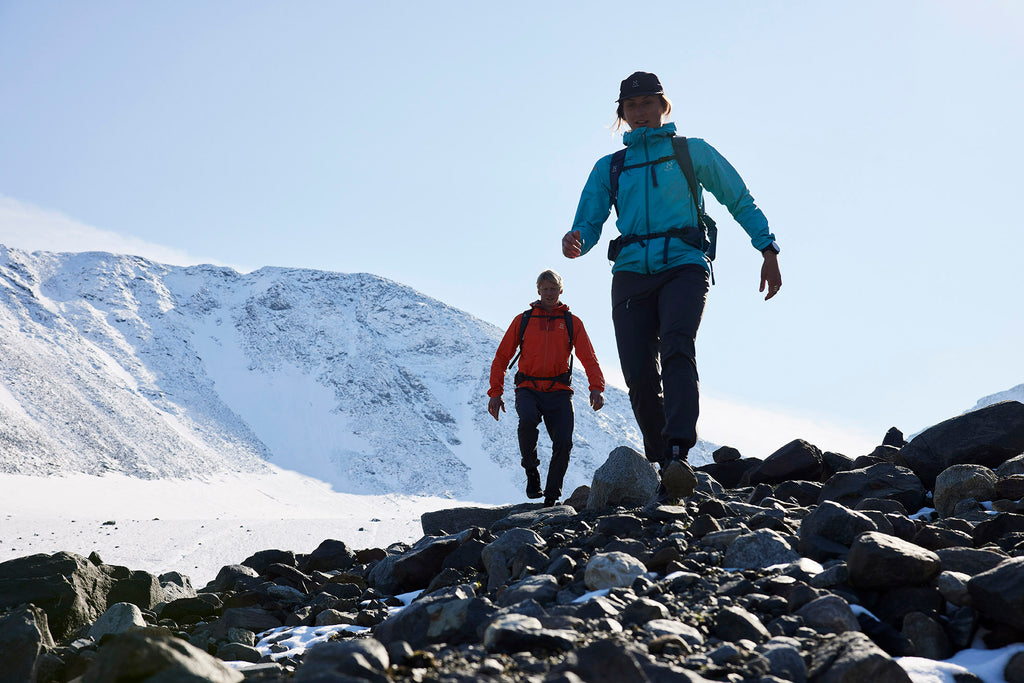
x=444 y=145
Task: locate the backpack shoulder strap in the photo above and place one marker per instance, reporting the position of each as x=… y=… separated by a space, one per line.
x=523 y=322
x=685 y=161
x=614 y=171
x=568 y=327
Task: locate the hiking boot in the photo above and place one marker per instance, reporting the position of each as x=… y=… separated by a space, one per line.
x=533 y=489
x=678 y=479
x=549 y=501
x=677 y=476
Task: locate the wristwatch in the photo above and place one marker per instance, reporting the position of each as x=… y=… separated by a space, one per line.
x=773 y=247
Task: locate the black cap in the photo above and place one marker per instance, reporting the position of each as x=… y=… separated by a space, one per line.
x=639 y=84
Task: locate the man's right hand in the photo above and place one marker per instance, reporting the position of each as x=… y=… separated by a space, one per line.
x=494 y=405
x=571 y=245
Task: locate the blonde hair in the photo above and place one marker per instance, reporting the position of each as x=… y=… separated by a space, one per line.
x=550 y=276
x=666 y=106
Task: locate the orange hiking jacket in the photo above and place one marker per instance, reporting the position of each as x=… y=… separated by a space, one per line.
x=546 y=351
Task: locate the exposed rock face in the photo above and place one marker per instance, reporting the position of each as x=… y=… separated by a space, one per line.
x=988 y=436
x=765 y=582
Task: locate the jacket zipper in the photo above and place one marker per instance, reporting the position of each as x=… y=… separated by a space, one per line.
x=647 y=209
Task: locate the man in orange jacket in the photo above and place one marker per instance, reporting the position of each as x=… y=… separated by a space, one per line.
x=543 y=388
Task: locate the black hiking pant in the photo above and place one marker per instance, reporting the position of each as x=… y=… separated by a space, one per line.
x=656 y=319
x=555 y=408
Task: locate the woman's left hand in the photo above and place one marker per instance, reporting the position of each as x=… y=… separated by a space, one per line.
x=771 y=275
x=571 y=245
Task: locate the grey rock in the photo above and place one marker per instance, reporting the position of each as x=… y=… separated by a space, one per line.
x=518 y=633
x=988 y=437
x=953 y=586
x=231 y=576
x=154 y=654
x=961 y=482
x=970 y=561
x=852 y=656
x=454 y=520
x=927 y=635
x=542 y=588
x=796 y=460
x=364 y=659
x=829 y=613
x=605 y=663
x=176 y=585
x=881 y=561
x=330 y=555
x=69 y=588
x=999 y=593
x=672 y=627
x=238 y=652
x=785 y=659
x=608 y=570
x=24 y=638
x=1013 y=672
x=414 y=569
x=626 y=478
x=884 y=480
x=761 y=548
x=500 y=553
x=119 y=618
x=736 y=623
x=642 y=611
x=829 y=530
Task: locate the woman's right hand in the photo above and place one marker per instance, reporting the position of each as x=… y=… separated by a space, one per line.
x=571 y=245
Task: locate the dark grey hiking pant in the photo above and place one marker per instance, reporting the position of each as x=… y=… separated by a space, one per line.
x=555 y=408
x=656 y=319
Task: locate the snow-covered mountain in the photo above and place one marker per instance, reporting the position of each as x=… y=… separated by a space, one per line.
x=119 y=364
x=1014 y=394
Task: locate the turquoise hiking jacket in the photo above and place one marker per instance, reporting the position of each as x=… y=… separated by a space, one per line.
x=656 y=200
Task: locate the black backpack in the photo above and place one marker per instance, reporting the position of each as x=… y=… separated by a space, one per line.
x=704 y=238
x=565 y=377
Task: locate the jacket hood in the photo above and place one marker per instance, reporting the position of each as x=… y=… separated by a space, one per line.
x=638 y=135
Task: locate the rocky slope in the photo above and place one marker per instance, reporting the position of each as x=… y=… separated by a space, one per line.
x=806 y=566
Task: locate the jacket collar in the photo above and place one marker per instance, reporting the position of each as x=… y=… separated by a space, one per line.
x=559 y=309
x=639 y=135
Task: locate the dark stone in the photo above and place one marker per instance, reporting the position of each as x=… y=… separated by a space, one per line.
x=69 y=588
x=998 y=593
x=882 y=480
x=154 y=654
x=988 y=436
x=796 y=460
x=330 y=555
x=24 y=637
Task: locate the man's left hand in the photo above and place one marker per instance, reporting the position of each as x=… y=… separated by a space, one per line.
x=596 y=400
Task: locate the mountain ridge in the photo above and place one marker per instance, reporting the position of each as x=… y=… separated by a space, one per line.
x=121 y=364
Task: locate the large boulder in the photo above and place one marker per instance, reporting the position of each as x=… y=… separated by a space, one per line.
x=454 y=520
x=999 y=593
x=988 y=437
x=24 y=636
x=878 y=561
x=796 y=460
x=154 y=654
x=883 y=480
x=417 y=567
x=962 y=482
x=626 y=478
x=68 y=587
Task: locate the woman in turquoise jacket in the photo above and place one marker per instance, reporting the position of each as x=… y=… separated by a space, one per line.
x=662 y=265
